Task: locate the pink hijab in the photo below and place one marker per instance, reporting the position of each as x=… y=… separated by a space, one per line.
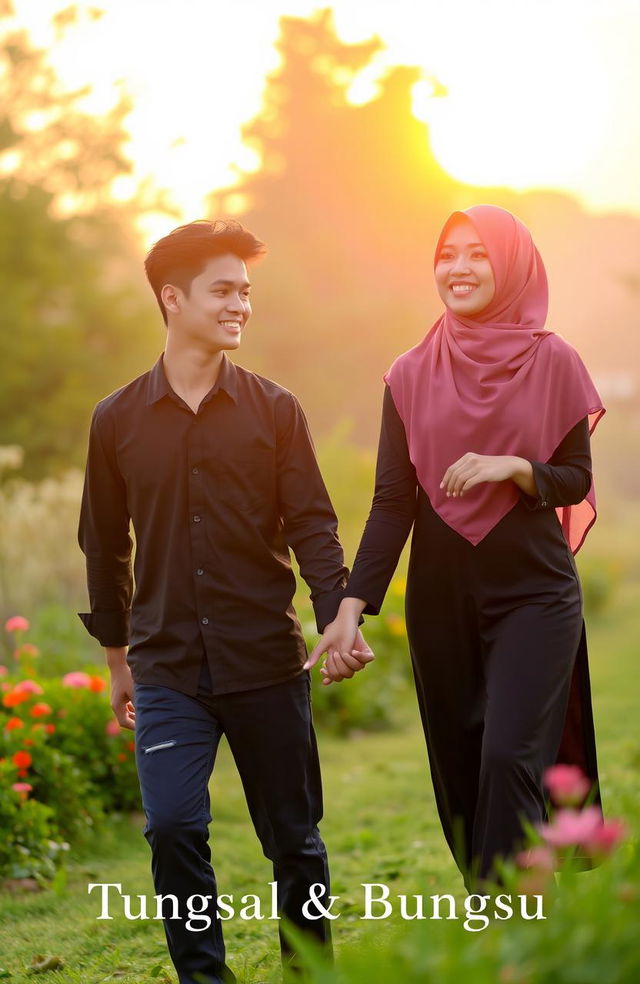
x=498 y=383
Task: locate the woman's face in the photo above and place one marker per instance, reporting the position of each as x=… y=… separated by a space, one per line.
x=463 y=272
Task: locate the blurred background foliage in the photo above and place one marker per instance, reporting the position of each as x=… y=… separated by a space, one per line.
x=349 y=199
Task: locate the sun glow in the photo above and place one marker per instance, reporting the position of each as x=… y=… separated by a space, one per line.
x=516 y=94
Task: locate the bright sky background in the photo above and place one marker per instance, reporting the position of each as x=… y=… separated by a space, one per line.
x=545 y=92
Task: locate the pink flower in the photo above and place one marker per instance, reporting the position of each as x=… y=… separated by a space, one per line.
x=540 y=857
x=16 y=624
x=567 y=784
x=22 y=788
x=112 y=728
x=572 y=827
x=606 y=837
x=28 y=687
x=76 y=679
x=3 y=670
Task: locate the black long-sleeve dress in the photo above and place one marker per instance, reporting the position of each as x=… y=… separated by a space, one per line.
x=497 y=642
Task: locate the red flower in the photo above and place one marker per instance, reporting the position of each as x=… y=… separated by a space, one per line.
x=13 y=724
x=22 y=773
x=22 y=759
x=97 y=684
x=50 y=728
x=16 y=624
x=14 y=697
x=40 y=710
x=28 y=741
x=122 y=757
x=131 y=746
x=112 y=728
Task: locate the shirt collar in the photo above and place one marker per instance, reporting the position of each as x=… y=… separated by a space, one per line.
x=158 y=384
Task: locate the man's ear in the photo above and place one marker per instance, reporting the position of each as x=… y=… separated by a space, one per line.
x=171 y=297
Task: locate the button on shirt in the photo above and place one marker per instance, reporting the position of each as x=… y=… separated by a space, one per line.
x=216 y=498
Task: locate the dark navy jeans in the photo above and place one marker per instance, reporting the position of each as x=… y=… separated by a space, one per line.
x=271 y=736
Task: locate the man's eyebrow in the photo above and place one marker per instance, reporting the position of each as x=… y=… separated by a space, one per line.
x=453 y=245
x=230 y=283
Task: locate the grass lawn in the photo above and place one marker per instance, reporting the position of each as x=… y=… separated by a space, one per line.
x=380 y=825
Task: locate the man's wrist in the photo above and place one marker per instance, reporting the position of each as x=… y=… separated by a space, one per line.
x=116 y=657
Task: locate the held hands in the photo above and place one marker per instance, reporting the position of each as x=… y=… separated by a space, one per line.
x=347 y=651
x=473 y=469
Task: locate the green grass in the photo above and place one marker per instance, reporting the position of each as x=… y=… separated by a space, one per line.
x=380 y=825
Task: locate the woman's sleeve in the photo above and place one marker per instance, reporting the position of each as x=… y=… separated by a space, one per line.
x=393 y=511
x=566 y=478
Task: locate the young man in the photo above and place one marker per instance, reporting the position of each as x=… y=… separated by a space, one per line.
x=215 y=468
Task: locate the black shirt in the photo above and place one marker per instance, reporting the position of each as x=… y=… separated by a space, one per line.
x=216 y=498
x=564 y=480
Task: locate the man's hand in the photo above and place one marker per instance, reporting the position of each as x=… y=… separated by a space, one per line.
x=121 y=688
x=337 y=667
x=347 y=652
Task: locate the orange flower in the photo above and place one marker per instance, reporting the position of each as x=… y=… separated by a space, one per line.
x=14 y=723
x=13 y=698
x=28 y=741
x=22 y=759
x=40 y=710
x=27 y=649
x=97 y=684
x=50 y=728
x=131 y=745
x=37 y=727
x=122 y=757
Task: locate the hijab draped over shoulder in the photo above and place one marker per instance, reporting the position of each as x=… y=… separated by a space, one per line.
x=498 y=383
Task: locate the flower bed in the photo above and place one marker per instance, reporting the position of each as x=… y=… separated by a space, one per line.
x=64 y=761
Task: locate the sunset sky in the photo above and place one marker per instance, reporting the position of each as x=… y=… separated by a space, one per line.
x=538 y=94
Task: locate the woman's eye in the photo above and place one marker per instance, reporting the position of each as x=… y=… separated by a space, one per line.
x=480 y=255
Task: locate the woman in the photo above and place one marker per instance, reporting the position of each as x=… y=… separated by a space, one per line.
x=484 y=450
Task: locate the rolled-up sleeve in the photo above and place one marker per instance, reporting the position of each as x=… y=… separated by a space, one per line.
x=103 y=535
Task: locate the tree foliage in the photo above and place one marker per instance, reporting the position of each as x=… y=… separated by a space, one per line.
x=72 y=326
x=349 y=199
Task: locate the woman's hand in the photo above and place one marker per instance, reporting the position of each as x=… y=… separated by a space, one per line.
x=347 y=651
x=472 y=469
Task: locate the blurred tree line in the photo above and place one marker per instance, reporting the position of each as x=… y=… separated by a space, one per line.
x=350 y=200
x=74 y=321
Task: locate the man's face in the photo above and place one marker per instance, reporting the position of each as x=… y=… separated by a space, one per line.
x=216 y=308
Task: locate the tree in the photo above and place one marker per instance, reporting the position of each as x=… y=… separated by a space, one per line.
x=349 y=200
x=72 y=327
